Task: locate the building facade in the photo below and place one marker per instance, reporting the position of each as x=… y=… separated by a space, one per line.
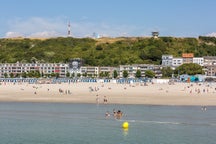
x=198 y=60
x=209 y=60
x=43 y=68
x=169 y=60
x=210 y=70
x=132 y=69
x=210 y=65
x=75 y=66
x=176 y=62
x=187 y=57
x=90 y=71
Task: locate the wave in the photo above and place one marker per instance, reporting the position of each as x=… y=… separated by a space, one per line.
x=170 y=123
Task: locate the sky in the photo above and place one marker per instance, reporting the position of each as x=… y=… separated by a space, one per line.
x=110 y=18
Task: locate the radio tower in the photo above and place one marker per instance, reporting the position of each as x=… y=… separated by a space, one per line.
x=69 y=29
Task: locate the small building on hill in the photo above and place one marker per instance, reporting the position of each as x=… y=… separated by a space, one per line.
x=155 y=34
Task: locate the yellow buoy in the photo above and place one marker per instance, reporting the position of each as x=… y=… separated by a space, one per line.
x=125 y=125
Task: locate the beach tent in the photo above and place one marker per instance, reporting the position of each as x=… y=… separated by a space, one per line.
x=194 y=79
x=201 y=78
x=184 y=77
x=187 y=78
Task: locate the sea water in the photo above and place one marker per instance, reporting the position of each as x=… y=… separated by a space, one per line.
x=62 y=123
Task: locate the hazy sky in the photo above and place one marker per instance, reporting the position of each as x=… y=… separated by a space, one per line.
x=49 y=18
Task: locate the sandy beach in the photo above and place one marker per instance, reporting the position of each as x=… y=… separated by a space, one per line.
x=202 y=94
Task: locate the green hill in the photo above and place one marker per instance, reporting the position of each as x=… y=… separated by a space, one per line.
x=103 y=51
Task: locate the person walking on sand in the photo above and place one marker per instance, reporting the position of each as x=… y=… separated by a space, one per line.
x=105 y=100
x=97 y=99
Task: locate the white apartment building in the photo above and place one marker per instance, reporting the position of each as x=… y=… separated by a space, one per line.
x=209 y=60
x=90 y=71
x=198 y=60
x=43 y=68
x=210 y=65
x=52 y=68
x=132 y=69
x=109 y=70
x=167 y=60
x=177 y=62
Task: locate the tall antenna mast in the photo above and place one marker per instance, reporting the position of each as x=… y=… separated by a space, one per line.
x=69 y=29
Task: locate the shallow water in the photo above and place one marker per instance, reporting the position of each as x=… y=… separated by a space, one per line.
x=60 y=123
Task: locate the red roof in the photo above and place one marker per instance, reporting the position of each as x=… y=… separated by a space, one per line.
x=187 y=55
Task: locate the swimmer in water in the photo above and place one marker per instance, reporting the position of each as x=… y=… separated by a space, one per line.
x=119 y=114
x=107 y=114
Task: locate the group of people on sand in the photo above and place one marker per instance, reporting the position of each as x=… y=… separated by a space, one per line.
x=61 y=91
x=116 y=114
x=105 y=100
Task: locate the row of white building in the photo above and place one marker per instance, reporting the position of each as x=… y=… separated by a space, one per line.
x=169 y=60
x=75 y=67
x=71 y=69
x=207 y=62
